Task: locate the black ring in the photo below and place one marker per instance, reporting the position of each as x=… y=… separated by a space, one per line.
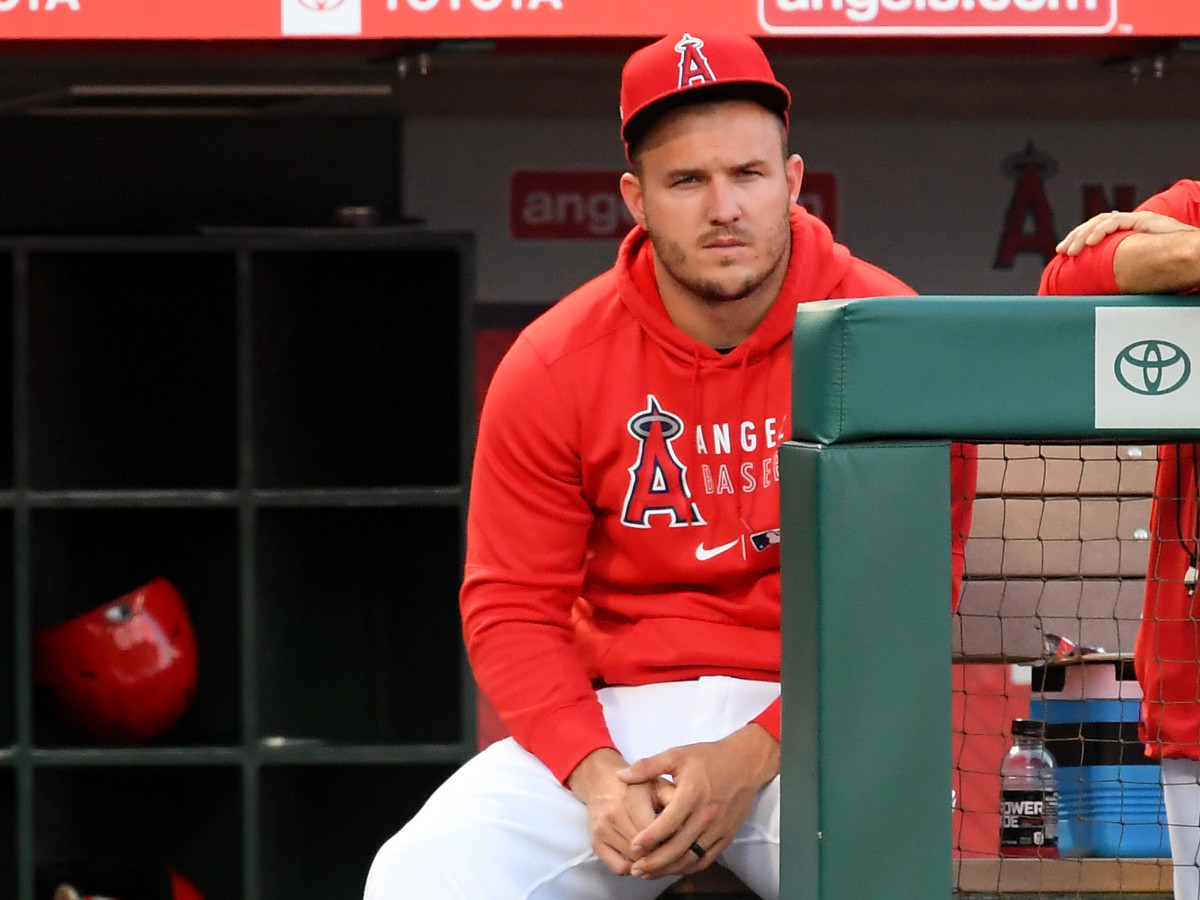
x=698 y=850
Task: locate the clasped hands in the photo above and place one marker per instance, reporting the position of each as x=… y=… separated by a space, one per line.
x=654 y=817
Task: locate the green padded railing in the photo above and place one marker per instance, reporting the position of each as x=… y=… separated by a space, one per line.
x=881 y=386
x=987 y=368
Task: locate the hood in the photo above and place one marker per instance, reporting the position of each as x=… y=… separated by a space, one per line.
x=817 y=265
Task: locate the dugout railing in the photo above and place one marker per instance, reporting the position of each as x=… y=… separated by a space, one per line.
x=881 y=386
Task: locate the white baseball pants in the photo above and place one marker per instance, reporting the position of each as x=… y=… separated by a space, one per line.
x=1181 y=794
x=503 y=827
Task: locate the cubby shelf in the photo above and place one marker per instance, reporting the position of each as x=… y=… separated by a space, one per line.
x=281 y=424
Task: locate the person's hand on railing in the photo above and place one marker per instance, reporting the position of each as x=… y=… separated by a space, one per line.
x=1097 y=228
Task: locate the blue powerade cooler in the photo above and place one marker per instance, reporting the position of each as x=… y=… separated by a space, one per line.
x=1110 y=801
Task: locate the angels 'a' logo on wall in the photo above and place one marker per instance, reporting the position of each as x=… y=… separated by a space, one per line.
x=1029 y=220
x=321 y=17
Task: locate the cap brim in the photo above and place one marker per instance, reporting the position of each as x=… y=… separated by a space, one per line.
x=771 y=97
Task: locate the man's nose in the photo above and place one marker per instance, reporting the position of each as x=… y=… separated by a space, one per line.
x=723 y=205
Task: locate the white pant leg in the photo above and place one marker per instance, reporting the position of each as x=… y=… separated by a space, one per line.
x=500 y=828
x=754 y=854
x=723 y=706
x=503 y=828
x=1181 y=794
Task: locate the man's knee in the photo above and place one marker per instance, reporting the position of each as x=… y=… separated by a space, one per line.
x=419 y=854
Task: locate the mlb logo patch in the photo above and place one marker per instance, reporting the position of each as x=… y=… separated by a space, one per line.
x=321 y=17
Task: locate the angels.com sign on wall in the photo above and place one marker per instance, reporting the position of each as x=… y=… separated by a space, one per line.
x=963 y=17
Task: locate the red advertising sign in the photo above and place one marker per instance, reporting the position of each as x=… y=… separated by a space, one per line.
x=458 y=19
x=587 y=205
x=565 y=206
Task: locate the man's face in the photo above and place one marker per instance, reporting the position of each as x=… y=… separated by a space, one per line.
x=714 y=193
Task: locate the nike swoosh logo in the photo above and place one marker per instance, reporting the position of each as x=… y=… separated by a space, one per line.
x=703 y=553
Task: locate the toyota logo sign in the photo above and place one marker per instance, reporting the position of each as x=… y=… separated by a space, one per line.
x=1152 y=367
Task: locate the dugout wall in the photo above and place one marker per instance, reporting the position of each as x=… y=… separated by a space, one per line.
x=881 y=387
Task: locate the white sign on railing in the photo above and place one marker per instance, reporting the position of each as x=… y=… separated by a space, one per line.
x=1145 y=367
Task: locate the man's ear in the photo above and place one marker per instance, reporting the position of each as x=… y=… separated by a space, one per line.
x=795 y=175
x=631 y=193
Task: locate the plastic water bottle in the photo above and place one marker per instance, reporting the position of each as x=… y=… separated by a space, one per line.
x=1028 y=795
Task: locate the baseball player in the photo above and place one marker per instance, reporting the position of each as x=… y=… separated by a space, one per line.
x=1156 y=250
x=621 y=600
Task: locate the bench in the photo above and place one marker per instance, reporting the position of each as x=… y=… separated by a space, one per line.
x=714 y=883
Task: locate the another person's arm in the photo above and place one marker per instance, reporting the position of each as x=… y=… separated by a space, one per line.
x=1153 y=253
x=1153 y=250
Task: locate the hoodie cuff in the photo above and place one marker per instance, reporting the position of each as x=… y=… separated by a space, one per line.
x=769 y=719
x=565 y=737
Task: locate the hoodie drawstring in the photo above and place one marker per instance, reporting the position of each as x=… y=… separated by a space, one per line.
x=735 y=439
x=741 y=406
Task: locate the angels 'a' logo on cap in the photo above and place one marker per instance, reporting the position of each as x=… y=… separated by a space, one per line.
x=693 y=64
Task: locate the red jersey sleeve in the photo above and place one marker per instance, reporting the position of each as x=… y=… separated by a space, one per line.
x=1091 y=272
x=527 y=527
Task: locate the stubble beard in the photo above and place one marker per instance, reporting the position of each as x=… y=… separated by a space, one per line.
x=673 y=257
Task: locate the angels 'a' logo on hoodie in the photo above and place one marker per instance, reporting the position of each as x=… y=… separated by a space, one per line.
x=658 y=480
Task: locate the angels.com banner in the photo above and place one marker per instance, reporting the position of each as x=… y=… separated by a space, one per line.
x=962 y=17
x=465 y=19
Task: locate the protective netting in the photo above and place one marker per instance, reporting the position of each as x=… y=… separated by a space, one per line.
x=1051 y=603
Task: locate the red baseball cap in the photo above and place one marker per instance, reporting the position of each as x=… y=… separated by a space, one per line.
x=692 y=67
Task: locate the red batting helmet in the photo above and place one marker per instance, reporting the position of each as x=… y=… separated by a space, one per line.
x=126 y=671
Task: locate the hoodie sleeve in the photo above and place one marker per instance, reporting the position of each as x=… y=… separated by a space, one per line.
x=527 y=530
x=769 y=719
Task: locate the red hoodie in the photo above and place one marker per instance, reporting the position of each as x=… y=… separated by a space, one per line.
x=624 y=515
x=1166 y=654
